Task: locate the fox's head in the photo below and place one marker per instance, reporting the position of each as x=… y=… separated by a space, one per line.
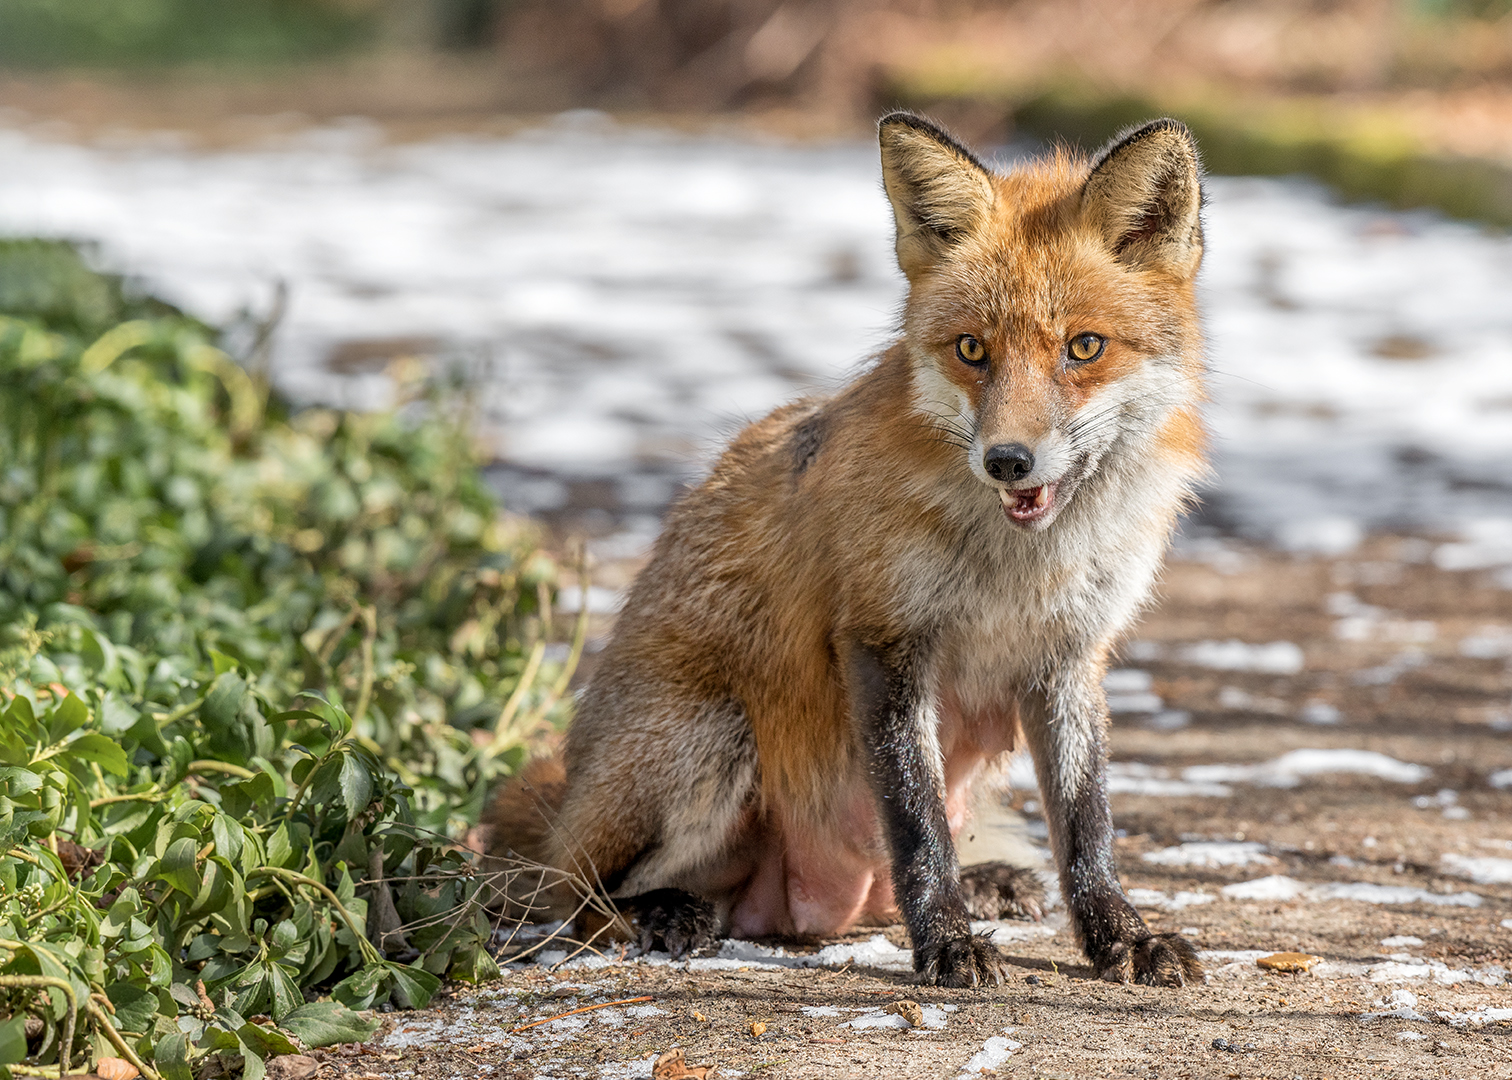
x=1051 y=313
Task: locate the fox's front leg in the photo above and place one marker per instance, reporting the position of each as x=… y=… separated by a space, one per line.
x=1065 y=720
x=903 y=759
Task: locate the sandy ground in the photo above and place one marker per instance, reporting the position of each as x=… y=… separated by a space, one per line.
x=1389 y=655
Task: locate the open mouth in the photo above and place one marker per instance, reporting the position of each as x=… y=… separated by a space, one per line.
x=1029 y=504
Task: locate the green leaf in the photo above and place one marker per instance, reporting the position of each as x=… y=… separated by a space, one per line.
x=177 y=866
x=253 y=1067
x=360 y=988
x=70 y=715
x=280 y=850
x=99 y=749
x=413 y=986
x=285 y=993
x=116 y=716
x=171 y=1056
x=135 y=1007
x=13 y=1040
x=327 y=1023
x=268 y=1041
x=356 y=785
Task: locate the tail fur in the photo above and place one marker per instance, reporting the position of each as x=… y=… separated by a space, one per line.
x=520 y=844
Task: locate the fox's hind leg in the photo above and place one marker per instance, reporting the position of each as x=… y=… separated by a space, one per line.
x=673 y=920
x=658 y=809
x=996 y=890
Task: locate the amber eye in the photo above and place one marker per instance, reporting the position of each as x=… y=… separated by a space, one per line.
x=1084 y=348
x=971 y=350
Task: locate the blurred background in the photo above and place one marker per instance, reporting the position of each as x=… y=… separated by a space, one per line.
x=639 y=223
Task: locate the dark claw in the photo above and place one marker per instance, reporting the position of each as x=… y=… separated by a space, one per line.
x=961 y=961
x=1153 y=960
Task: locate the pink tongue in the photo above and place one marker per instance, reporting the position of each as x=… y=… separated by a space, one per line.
x=1025 y=503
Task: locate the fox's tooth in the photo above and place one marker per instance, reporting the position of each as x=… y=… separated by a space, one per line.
x=1042 y=495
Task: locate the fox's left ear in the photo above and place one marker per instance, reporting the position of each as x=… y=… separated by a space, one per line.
x=939 y=191
x=1145 y=197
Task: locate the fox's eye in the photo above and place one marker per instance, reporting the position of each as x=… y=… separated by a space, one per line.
x=1084 y=348
x=971 y=350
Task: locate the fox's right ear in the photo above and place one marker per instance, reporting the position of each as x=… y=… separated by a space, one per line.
x=939 y=191
x=1145 y=196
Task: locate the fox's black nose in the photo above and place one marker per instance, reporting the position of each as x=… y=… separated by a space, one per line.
x=1008 y=461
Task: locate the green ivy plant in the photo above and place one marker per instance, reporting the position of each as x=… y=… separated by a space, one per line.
x=258 y=669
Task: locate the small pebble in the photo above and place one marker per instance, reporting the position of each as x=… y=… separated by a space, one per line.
x=1033 y=980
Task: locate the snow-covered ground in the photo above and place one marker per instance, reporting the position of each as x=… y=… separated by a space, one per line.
x=633 y=295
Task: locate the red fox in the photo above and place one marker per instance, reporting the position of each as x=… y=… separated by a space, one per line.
x=876 y=596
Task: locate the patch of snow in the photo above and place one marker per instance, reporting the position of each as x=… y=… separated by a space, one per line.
x=1320 y=713
x=1477 y=1018
x=415 y=1033
x=1289 y=769
x=819 y=1010
x=1127 y=681
x=601 y=601
x=994 y=1052
x=1482 y=871
x=1223 y=964
x=1006 y=932
x=1502 y=778
x=875 y=952
x=1404 y=1007
x=1326 y=534
x=1412 y=1036
x=1275 y=887
x=629 y=1070
x=1135 y=703
x=934 y=1019
x=1276 y=658
x=1137 y=778
x=1369 y=893
x=645 y=1010
x=1210 y=853
x=1280 y=887
x=1021 y=772
x=1488 y=643
x=1156 y=899
x=1401 y=941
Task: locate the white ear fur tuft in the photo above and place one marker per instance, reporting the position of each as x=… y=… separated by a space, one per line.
x=1145 y=197
x=938 y=189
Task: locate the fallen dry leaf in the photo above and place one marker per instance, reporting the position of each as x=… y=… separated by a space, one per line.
x=113 y=1068
x=908 y=1010
x=700 y=1017
x=672 y=1066
x=291 y=1067
x=757 y=1029
x=1288 y=961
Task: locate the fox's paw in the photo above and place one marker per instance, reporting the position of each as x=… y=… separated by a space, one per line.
x=996 y=890
x=963 y=961
x=1154 y=960
x=676 y=921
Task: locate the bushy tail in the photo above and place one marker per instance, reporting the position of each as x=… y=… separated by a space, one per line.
x=521 y=845
x=520 y=816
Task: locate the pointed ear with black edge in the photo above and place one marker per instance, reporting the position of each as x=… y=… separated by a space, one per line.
x=938 y=189
x=1145 y=197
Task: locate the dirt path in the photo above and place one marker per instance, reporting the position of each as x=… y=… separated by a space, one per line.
x=1395 y=866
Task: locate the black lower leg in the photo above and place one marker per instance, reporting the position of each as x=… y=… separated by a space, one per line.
x=926 y=878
